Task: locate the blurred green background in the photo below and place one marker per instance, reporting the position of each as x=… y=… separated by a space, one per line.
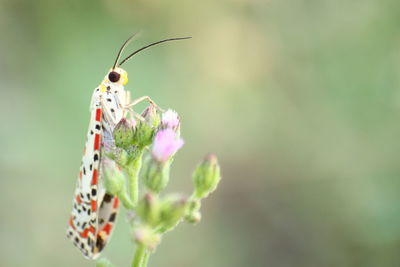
x=299 y=99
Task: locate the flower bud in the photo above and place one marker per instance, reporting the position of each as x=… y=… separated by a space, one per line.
x=150 y=114
x=148 y=209
x=144 y=134
x=124 y=132
x=170 y=119
x=145 y=129
x=206 y=176
x=114 y=178
x=166 y=144
x=156 y=176
x=145 y=236
x=173 y=210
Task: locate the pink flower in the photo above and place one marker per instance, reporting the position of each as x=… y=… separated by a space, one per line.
x=170 y=119
x=165 y=145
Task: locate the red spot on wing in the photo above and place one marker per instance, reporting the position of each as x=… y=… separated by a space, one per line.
x=88 y=230
x=94 y=177
x=107 y=228
x=78 y=199
x=80 y=175
x=98 y=114
x=116 y=201
x=71 y=223
x=85 y=232
x=94 y=205
x=96 y=141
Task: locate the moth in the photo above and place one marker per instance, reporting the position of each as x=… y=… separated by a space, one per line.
x=94 y=210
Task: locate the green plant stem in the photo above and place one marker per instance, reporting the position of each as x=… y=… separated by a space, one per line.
x=126 y=201
x=146 y=258
x=139 y=255
x=133 y=180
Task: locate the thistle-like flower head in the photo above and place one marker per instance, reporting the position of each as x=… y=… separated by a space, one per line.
x=170 y=119
x=166 y=144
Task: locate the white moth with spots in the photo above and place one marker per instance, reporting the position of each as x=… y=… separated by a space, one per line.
x=94 y=210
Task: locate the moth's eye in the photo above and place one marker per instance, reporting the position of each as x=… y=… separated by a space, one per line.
x=114 y=76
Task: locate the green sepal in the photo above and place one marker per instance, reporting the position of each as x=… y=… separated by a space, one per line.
x=123 y=134
x=144 y=134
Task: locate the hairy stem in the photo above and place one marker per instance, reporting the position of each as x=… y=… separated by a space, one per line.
x=146 y=258
x=125 y=199
x=139 y=255
x=133 y=180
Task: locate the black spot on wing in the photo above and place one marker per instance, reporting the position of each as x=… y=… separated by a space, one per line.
x=112 y=217
x=107 y=198
x=99 y=243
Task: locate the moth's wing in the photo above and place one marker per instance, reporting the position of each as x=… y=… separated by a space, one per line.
x=107 y=215
x=91 y=202
x=108 y=204
x=83 y=222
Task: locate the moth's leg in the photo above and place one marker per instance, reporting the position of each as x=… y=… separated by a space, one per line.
x=136 y=115
x=107 y=112
x=127 y=96
x=141 y=99
x=127 y=100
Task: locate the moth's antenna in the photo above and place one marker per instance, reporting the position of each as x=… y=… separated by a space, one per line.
x=147 y=46
x=122 y=49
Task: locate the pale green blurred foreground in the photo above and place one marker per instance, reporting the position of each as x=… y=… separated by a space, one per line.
x=299 y=100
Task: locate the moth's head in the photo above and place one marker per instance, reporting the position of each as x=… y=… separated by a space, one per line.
x=117 y=76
